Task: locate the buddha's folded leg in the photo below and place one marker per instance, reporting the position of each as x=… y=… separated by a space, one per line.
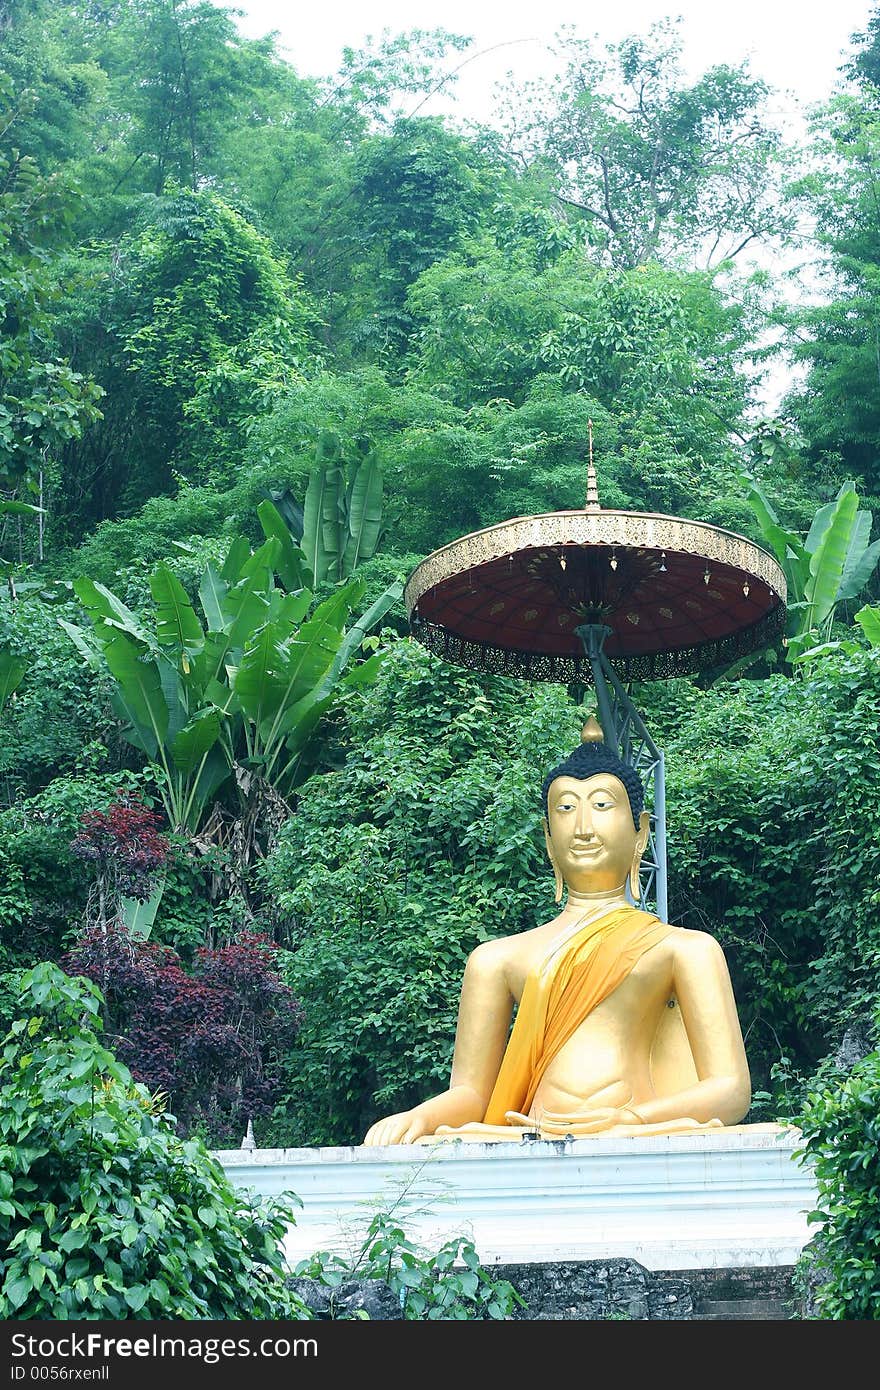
x=477 y=1133
x=586 y=1127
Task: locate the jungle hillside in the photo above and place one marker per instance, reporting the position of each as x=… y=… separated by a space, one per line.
x=267 y=340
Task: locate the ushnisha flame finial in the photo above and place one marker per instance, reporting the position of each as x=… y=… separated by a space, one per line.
x=592 y=731
x=592 y=504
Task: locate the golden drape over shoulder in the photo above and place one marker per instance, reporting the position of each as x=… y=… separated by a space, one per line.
x=578 y=973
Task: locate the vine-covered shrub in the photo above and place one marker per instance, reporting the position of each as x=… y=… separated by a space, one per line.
x=58 y=720
x=773 y=793
x=841 y=1128
x=424 y=842
x=104 y=1211
x=212 y=1040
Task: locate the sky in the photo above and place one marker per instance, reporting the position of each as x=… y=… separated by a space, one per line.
x=794 y=46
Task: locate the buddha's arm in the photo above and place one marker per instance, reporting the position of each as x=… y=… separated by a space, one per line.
x=484 y=1014
x=702 y=985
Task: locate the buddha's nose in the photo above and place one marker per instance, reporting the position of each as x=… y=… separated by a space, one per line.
x=584 y=821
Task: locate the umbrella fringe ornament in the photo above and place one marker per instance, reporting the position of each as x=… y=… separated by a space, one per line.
x=597 y=598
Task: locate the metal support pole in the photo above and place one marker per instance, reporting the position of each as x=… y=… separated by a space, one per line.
x=625 y=731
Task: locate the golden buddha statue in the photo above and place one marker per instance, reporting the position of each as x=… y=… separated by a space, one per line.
x=624 y=1025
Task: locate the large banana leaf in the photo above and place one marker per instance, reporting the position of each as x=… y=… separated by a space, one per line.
x=324 y=530
x=191 y=745
x=336 y=608
x=212 y=592
x=868 y=619
x=308 y=656
x=100 y=604
x=246 y=607
x=260 y=681
x=359 y=629
x=293 y=608
x=12 y=669
x=292 y=564
x=176 y=623
x=263 y=561
x=301 y=719
x=364 y=513
x=237 y=555
x=213 y=771
x=777 y=537
x=174 y=692
x=828 y=559
x=139 y=690
x=214 y=658
x=861 y=559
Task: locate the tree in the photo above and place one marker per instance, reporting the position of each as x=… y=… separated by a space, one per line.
x=416 y=192
x=836 y=405
x=44 y=404
x=659 y=170
x=211 y=1039
x=194 y=328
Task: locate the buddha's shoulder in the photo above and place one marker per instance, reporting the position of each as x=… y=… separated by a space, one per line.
x=501 y=950
x=688 y=943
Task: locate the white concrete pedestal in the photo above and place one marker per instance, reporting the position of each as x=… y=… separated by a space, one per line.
x=719 y=1199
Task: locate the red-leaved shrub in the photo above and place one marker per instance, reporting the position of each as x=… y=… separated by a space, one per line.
x=213 y=1040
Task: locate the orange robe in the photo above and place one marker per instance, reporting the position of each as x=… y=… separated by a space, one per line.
x=577 y=974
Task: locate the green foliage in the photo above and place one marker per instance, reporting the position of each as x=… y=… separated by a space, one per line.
x=841 y=1130
x=43 y=887
x=832 y=564
x=449 y=1283
x=342 y=513
x=836 y=401
x=53 y=715
x=232 y=698
x=423 y=842
x=104 y=1212
x=194 y=327
x=43 y=402
x=772 y=848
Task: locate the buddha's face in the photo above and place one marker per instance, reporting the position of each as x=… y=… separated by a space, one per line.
x=591 y=833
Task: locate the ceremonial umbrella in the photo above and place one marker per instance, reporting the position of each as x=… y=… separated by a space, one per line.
x=600 y=596
x=676 y=596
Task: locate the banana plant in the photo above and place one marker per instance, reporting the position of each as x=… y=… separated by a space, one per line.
x=12 y=669
x=342 y=514
x=831 y=564
x=868 y=619
x=220 y=700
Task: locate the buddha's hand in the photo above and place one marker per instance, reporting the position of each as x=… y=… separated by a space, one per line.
x=606 y=1108
x=404 y=1128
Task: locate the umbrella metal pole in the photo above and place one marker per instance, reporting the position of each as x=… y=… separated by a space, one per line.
x=620 y=720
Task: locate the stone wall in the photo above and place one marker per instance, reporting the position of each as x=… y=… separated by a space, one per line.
x=599 y=1290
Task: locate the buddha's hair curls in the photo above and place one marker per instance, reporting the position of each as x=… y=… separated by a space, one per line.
x=590 y=758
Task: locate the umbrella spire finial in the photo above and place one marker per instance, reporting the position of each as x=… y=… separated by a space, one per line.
x=592 y=504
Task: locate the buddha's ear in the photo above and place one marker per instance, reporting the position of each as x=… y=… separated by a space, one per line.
x=644 y=832
x=640 y=846
x=557 y=874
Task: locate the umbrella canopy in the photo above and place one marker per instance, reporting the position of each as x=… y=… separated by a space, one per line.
x=677 y=596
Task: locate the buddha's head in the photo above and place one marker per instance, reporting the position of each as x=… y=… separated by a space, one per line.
x=595 y=826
